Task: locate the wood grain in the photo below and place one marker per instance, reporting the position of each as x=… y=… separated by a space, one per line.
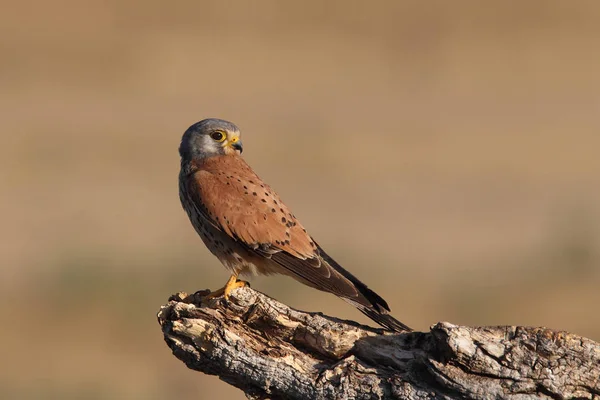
x=271 y=351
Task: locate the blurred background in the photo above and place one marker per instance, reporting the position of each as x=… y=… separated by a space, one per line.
x=445 y=152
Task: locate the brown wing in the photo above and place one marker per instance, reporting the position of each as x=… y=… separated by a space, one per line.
x=238 y=202
x=246 y=208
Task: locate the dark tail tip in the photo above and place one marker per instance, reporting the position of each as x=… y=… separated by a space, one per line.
x=384 y=319
x=381 y=317
x=368 y=302
x=378 y=311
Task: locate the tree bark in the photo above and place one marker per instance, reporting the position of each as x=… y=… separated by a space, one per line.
x=271 y=351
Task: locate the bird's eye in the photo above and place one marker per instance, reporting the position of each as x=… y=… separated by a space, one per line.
x=218 y=136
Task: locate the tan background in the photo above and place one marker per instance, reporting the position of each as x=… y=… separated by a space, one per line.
x=445 y=152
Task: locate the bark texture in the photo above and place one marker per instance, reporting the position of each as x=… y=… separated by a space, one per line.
x=271 y=351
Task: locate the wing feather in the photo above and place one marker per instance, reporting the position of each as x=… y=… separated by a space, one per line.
x=236 y=201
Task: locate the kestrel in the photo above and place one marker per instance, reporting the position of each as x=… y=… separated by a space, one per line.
x=244 y=223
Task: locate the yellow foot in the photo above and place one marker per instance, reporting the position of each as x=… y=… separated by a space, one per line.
x=232 y=283
x=236 y=284
x=216 y=293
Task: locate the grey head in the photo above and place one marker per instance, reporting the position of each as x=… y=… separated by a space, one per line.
x=210 y=137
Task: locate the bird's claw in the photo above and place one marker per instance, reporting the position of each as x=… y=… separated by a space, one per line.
x=232 y=284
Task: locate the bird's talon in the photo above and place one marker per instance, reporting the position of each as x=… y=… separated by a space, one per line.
x=232 y=286
x=215 y=294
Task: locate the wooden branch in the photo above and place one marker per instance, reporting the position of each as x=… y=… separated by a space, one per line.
x=271 y=351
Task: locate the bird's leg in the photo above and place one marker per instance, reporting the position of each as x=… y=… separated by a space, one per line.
x=226 y=290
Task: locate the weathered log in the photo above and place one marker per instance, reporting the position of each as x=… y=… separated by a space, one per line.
x=271 y=351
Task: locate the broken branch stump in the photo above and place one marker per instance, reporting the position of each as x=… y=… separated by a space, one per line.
x=271 y=351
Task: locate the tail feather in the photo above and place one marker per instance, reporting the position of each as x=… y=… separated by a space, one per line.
x=382 y=318
x=371 y=304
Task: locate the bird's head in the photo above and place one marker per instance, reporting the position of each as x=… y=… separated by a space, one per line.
x=210 y=137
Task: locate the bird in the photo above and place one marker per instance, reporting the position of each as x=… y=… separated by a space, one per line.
x=246 y=225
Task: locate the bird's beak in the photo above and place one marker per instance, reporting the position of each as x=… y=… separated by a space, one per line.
x=236 y=144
